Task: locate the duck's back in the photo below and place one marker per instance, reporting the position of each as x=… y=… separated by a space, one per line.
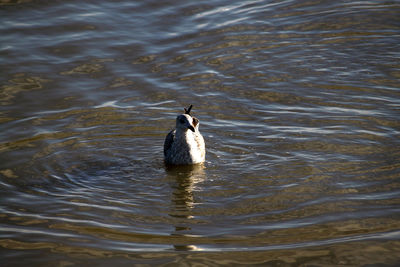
x=184 y=148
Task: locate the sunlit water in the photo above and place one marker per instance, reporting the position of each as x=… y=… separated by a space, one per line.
x=298 y=101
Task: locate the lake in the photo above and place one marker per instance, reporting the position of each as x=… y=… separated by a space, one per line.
x=299 y=106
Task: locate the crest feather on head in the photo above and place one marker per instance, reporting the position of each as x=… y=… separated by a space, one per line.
x=187 y=110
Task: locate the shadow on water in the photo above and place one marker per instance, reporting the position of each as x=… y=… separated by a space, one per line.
x=184 y=182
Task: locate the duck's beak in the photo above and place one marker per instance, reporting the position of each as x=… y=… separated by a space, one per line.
x=191 y=128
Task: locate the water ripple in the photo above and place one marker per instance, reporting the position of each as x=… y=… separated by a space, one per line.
x=298 y=103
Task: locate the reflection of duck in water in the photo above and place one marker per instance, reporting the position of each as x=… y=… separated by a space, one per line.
x=185 y=181
x=185 y=145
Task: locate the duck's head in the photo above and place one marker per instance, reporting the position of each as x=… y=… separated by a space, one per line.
x=186 y=121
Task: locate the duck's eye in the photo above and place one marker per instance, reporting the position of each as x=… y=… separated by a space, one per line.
x=182 y=121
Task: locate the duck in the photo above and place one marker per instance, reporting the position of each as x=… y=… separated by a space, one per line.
x=185 y=145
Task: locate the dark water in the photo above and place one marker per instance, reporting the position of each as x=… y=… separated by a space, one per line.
x=299 y=104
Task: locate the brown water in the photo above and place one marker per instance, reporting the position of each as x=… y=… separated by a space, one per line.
x=298 y=101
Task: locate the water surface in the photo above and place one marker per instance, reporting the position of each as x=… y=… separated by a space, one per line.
x=298 y=101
